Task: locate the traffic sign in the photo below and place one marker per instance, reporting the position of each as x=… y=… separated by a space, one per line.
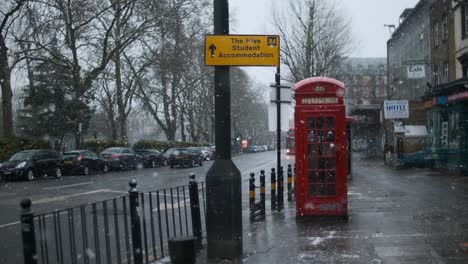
x=242 y=50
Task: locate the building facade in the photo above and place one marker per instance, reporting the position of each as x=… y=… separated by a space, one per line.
x=365 y=80
x=409 y=63
x=447 y=102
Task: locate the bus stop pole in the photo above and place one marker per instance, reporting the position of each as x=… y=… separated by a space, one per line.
x=278 y=123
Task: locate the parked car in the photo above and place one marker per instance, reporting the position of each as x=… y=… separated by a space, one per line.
x=83 y=162
x=198 y=153
x=167 y=153
x=206 y=152
x=183 y=157
x=30 y=164
x=152 y=157
x=255 y=149
x=121 y=158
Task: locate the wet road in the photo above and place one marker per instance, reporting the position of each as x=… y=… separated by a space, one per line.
x=70 y=191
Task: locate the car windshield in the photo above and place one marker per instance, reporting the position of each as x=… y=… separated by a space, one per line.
x=25 y=155
x=112 y=150
x=71 y=154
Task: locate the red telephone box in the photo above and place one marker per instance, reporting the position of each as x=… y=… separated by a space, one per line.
x=321 y=148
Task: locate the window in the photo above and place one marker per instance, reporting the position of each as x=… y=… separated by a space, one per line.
x=464 y=20
x=444 y=28
x=446 y=72
x=436 y=75
x=436 y=35
x=453 y=135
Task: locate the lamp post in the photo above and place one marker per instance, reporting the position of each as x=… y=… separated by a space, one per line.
x=223 y=179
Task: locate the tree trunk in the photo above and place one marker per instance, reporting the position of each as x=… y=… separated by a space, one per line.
x=7 y=94
x=122 y=116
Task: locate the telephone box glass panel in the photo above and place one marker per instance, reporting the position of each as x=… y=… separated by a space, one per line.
x=321 y=156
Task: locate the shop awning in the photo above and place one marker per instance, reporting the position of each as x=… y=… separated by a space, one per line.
x=415 y=131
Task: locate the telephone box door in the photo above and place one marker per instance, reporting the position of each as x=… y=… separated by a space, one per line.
x=325 y=160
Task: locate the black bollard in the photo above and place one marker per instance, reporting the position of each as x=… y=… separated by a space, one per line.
x=252 y=196
x=195 y=209
x=262 y=191
x=289 y=183
x=135 y=223
x=27 y=232
x=273 y=189
x=280 y=199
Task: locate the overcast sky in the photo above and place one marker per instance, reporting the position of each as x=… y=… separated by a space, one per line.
x=367 y=23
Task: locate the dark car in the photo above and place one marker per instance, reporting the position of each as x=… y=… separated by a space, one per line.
x=199 y=154
x=121 y=158
x=183 y=157
x=83 y=162
x=30 y=164
x=152 y=157
x=206 y=152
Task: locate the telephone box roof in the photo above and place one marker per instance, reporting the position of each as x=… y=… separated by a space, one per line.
x=312 y=80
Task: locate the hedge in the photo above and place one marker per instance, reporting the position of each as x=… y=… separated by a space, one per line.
x=99 y=145
x=165 y=145
x=10 y=147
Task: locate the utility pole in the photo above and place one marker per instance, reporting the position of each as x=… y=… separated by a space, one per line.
x=223 y=179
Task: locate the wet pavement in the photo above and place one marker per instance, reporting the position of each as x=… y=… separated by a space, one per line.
x=395 y=216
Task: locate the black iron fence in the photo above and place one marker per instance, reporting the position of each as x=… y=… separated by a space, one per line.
x=133 y=228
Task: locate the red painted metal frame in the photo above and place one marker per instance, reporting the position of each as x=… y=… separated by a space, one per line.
x=317 y=199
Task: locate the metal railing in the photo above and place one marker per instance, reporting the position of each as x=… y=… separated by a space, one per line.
x=133 y=228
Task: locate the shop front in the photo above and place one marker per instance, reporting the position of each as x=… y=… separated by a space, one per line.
x=447 y=123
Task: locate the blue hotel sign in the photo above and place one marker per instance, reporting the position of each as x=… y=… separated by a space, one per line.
x=396 y=109
x=442 y=100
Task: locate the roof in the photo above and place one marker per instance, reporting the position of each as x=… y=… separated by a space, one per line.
x=312 y=80
x=408 y=14
x=365 y=109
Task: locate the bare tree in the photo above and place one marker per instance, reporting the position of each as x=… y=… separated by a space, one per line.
x=166 y=47
x=90 y=34
x=9 y=12
x=315 y=38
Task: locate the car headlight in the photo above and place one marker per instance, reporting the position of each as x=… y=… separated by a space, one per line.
x=21 y=165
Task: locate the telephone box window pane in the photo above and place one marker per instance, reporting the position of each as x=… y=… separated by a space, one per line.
x=320 y=149
x=310 y=123
x=321 y=137
x=331 y=190
x=331 y=164
x=311 y=136
x=331 y=176
x=322 y=163
x=322 y=190
x=330 y=136
x=320 y=122
x=330 y=122
x=330 y=150
x=321 y=177
x=324 y=148
x=312 y=190
x=312 y=176
x=312 y=150
x=312 y=163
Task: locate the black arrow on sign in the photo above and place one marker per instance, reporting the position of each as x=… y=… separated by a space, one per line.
x=212 y=48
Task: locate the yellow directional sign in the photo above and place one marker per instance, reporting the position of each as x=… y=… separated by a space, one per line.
x=242 y=50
